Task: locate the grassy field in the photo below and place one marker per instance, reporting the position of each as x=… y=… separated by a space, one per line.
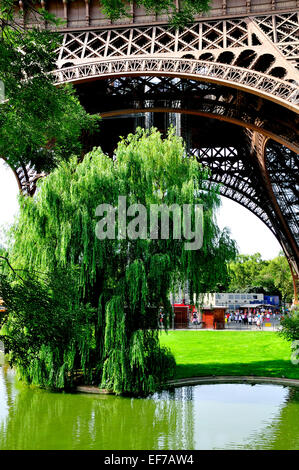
x=202 y=353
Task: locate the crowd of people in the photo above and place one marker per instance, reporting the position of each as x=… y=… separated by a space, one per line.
x=256 y=318
x=238 y=318
x=252 y=318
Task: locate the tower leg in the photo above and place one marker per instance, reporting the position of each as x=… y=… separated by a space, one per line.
x=295 y=286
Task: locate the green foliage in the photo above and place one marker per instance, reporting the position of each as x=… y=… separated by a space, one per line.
x=127 y=281
x=245 y=271
x=290 y=326
x=46 y=327
x=39 y=122
x=290 y=331
x=188 y=10
x=278 y=270
x=250 y=273
x=115 y=9
x=134 y=361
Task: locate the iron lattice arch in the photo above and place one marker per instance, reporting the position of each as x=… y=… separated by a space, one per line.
x=241 y=180
x=26 y=176
x=283 y=169
x=126 y=95
x=225 y=40
x=229 y=83
x=255 y=54
x=236 y=177
x=239 y=159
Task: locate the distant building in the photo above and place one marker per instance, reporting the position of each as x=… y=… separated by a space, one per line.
x=232 y=301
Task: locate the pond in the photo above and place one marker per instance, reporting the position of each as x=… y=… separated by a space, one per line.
x=219 y=416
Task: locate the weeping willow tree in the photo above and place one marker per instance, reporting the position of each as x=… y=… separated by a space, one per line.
x=46 y=327
x=125 y=279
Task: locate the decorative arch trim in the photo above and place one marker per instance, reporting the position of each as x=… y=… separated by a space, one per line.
x=265 y=86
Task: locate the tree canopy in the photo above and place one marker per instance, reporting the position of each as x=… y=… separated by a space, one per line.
x=124 y=280
x=40 y=123
x=250 y=273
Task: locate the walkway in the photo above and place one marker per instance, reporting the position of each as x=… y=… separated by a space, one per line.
x=229 y=379
x=234 y=326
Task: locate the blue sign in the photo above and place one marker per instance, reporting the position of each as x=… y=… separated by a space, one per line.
x=271 y=299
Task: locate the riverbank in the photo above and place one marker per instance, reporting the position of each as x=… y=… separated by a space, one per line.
x=209 y=356
x=230 y=353
x=224 y=357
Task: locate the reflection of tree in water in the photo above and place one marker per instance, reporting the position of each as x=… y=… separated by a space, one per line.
x=8 y=378
x=286 y=434
x=177 y=407
x=283 y=431
x=43 y=420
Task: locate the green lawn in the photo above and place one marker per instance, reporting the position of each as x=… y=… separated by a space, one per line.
x=202 y=353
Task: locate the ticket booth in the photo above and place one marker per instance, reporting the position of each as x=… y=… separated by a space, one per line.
x=181 y=315
x=219 y=322
x=207 y=317
x=213 y=318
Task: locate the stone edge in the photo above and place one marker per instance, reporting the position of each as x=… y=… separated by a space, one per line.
x=236 y=379
x=203 y=380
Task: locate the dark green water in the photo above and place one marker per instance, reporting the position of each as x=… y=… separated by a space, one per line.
x=226 y=416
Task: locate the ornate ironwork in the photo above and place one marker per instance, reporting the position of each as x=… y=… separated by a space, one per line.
x=26 y=177
x=278 y=33
x=277 y=90
x=229 y=83
x=128 y=95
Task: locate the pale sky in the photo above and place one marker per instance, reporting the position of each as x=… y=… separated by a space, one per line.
x=250 y=233
x=8 y=198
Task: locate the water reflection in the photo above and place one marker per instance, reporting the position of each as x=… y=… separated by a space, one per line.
x=223 y=416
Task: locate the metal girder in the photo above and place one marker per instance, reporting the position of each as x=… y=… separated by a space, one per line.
x=232 y=78
x=125 y=95
x=244 y=162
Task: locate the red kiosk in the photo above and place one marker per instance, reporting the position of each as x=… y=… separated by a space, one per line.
x=212 y=317
x=181 y=315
